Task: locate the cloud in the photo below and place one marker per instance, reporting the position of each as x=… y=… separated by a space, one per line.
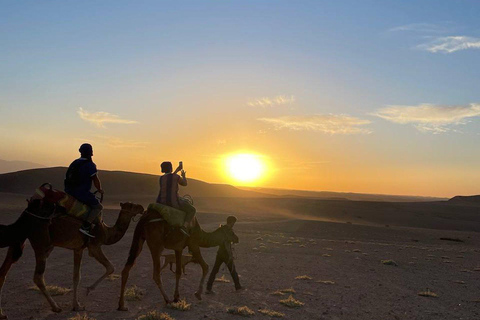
x=331 y=123
x=100 y=118
x=420 y=27
x=270 y=102
x=429 y=117
x=451 y=44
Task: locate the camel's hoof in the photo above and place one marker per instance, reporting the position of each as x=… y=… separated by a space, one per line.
x=122 y=308
x=56 y=309
x=78 y=308
x=198 y=295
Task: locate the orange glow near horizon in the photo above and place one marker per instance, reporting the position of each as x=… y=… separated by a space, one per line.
x=245 y=168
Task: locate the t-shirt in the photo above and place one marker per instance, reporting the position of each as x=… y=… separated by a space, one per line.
x=83 y=171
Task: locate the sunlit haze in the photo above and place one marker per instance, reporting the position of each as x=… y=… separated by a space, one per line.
x=349 y=96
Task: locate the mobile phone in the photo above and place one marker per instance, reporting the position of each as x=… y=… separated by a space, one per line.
x=180 y=164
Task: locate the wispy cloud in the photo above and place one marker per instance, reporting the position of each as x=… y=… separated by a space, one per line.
x=450 y=44
x=429 y=117
x=421 y=27
x=271 y=102
x=330 y=124
x=114 y=142
x=100 y=118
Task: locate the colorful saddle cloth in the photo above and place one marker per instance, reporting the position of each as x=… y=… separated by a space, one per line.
x=72 y=206
x=174 y=217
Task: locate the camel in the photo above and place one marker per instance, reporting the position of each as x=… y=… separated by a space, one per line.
x=44 y=234
x=159 y=235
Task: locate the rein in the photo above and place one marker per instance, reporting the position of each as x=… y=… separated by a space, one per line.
x=37 y=216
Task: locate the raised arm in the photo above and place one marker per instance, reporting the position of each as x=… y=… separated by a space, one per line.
x=183 y=179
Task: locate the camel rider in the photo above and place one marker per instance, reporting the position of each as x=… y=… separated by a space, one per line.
x=225 y=255
x=78 y=182
x=168 y=194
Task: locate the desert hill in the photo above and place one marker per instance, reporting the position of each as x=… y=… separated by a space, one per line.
x=115 y=183
x=10 y=166
x=472 y=200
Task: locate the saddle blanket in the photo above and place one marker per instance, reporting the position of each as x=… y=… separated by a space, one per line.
x=174 y=217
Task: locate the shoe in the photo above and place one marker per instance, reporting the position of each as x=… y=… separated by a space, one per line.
x=86 y=230
x=209 y=291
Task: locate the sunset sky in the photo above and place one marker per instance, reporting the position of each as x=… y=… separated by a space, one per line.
x=360 y=96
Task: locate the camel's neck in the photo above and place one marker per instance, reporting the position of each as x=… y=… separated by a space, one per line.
x=210 y=239
x=115 y=233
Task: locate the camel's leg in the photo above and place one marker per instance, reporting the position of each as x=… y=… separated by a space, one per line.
x=178 y=273
x=77 y=261
x=14 y=253
x=171 y=266
x=156 y=250
x=41 y=262
x=134 y=253
x=97 y=253
x=197 y=255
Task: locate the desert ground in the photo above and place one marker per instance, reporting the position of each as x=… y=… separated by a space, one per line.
x=335 y=247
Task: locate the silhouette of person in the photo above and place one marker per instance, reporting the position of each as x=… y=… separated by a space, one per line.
x=78 y=182
x=168 y=194
x=224 y=255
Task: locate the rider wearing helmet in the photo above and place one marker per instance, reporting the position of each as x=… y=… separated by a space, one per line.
x=168 y=194
x=78 y=182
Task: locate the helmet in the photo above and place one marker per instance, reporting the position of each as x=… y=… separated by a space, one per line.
x=86 y=150
x=166 y=167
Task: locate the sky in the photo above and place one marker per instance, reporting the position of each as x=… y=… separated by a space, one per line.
x=350 y=96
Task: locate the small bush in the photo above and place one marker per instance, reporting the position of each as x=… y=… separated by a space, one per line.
x=428 y=293
x=53 y=290
x=289 y=290
x=81 y=317
x=277 y=293
x=181 y=305
x=134 y=294
x=304 y=277
x=155 y=315
x=241 y=311
x=222 y=279
x=326 y=282
x=389 y=263
x=271 y=313
x=113 y=277
x=291 y=302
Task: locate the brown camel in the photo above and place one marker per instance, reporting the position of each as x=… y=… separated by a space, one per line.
x=62 y=231
x=159 y=236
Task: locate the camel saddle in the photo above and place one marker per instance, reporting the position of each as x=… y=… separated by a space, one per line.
x=173 y=216
x=72 y=206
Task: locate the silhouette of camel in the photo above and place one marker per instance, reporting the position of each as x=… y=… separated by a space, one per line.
x=158 y=234
x=62 y=231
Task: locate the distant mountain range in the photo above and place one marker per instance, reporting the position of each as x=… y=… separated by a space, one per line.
x=120 y=183
x=11 y=166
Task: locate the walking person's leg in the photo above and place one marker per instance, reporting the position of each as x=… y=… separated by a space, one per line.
x=213 y=274
x=233 y=272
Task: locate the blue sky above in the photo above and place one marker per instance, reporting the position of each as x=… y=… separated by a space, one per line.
x=202 y=64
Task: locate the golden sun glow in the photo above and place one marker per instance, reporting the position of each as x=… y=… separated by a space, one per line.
x=245 y=168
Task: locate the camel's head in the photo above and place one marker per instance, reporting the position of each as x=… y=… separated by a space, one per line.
x=132 y=209
x=229 y=234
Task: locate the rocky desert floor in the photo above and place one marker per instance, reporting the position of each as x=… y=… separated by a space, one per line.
x=337 y=270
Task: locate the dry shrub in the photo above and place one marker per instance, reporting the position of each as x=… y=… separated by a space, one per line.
x=222 y=279
x=81 y=317
x=289 y=290
x=389 y=263
x=291 y=302
x=302 y=246
x=155 y=315
x=459 y=281
x=304 y=277
x=181 y=305
x=326 y=255
x=241 y=311
x=259 y=239
x=113 y=277
x=357 y=250
x=293 y=241
x=428 y=293
x=277 y=293
x=271 y=313
x=286 y=244
x=53 y=290
x=134 y=293
x=326 y=281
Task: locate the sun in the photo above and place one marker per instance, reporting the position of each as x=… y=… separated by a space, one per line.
x=245 y=168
